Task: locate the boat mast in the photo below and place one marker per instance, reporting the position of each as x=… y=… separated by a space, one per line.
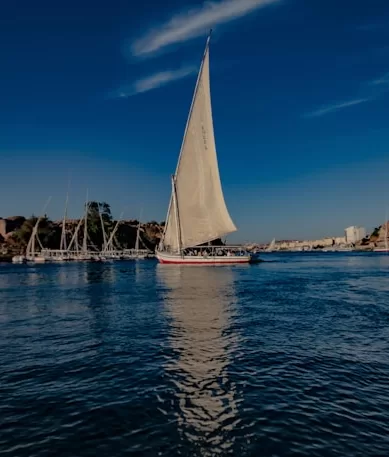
x=103 y=229
x=74 y=237
x=177 y=216
x=85 y=241
x=62 y=245
x=138 y=232
x=30 y=250
x=109 y=243
x=185 y=133
x=386 y=231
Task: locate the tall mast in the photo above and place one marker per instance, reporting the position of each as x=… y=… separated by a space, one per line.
x=30 y=250
x=74 y=237
x=103 y=229
x=109 y=243
x=85 y=240
x=193 y=100
x=177 y=217
x=63 y=234
x=138 y=232
x=186 y=131
x=63 y=244
x=386 y=231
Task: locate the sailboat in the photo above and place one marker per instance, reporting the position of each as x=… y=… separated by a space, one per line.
x=139 y=253
x=32 y=255
x=62 y=254
x=74 y=250
x=271 y=246
x=197 y=213
x=109 y=251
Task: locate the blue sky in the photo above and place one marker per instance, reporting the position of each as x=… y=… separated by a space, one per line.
x=100 y=91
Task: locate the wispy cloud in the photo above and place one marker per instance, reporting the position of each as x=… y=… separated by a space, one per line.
x=382 y=81
x=152 y=82
x=196 y=22
x=373 y=26
x=336 y=107
x=369 y=91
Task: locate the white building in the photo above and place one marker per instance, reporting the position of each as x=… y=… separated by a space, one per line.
x=354 y=234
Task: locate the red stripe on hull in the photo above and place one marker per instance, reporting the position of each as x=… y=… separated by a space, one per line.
x=188 y=262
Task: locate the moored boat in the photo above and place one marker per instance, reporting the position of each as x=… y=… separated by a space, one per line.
x=19 y=259
x=230 y=256
x=197 y=212
x=36 y=259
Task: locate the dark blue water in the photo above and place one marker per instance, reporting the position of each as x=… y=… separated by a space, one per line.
x=286 y=358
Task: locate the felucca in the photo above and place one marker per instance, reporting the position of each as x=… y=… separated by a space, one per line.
x=197 y=212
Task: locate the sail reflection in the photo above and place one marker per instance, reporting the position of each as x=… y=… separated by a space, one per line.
x=200 y=306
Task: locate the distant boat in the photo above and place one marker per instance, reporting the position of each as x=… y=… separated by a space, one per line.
x=344 y=249
x=271 y=246
x=197 y=212
x=19 y=259
x=32 y=255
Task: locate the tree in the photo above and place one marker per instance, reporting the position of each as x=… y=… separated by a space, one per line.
x=95 y=230
x=48 y=233
x=376 y=232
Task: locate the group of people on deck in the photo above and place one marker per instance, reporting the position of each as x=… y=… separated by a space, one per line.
x=205 y=252
x=208 y=251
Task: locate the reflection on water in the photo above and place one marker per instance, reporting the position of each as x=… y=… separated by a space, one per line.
x=202 y=337
x=103 y=274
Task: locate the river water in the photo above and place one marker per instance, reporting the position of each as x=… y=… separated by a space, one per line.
x=286 y=358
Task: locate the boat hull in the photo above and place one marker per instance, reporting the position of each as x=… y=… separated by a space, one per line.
x=175 y=259
x=381 y=250
x=36 y=259
x=19 y=259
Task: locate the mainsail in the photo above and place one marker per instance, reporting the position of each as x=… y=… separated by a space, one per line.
x=197 y=211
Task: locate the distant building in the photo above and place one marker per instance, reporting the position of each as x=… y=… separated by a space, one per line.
x=339 y=240
x=354 y=234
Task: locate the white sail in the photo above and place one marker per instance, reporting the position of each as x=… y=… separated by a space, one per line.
x=200 y=213
x=271 y=245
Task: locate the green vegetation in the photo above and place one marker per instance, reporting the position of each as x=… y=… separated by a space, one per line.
x=95 y=230
x=376 y=232
x=47 y=233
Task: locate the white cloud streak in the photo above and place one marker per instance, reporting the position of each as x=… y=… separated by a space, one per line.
x=337 y=106
x=194 y=23
x=372 y=90
x=384 y=80
x=154 y=81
